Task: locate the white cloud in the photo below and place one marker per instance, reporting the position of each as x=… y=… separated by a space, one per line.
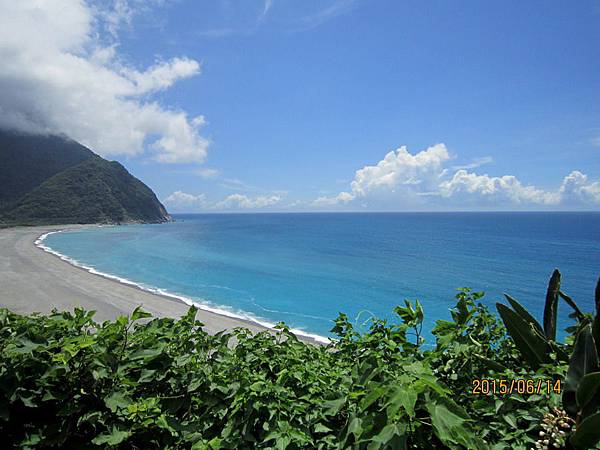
x=59 y=76
x=578 y=189
x=266 y=8
x=400 y=168
x=162 y=76
x=324 y=11
x=207 y=173
x=403 y=180
x=238 y=30
x=484 y=187
x=235 y=184
x=115 y=14
x=240 y=201
x=477 y=162
x=341 y=198
x=335 y=9
x=399 y=173
x=181 y=200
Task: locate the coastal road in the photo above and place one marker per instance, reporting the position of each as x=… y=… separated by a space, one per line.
x=32 y=280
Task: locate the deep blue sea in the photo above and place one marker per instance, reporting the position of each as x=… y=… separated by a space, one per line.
x=306 y=268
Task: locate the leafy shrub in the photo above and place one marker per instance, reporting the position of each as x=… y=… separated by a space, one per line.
x=141 y=382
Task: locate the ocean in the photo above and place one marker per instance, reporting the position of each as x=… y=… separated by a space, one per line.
x=304 y=269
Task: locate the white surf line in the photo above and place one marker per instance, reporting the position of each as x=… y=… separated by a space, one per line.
x=39 y=242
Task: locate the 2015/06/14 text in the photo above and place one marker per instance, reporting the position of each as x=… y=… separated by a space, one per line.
x=490 y=386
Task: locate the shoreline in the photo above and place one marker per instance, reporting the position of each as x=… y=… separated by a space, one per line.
x=108 y=294
x=39 y=243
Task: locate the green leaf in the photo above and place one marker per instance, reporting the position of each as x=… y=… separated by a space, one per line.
x=402 y=397
x=510 y=419
x=31 y=440
x=147 y=375
x=533 y=347
x=372 y=396
x=450 y=425
x=213 y=444
x=572 y=304
x=117 y=400
x=587 y=434
x=332 y=407
x=320 y=428
x=419 y=311
x=551 y=306
x=139 y=313
x=520 y=310
x=148 y=354
x=25 y=346
x=114 y=437
x=584 y=360
x=282 y=441
x=596 y=323
x=355 y=427
x=388 y=433
x=588 y=388
x=162 y=422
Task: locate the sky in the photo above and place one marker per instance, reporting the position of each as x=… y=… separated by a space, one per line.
x=319 y=105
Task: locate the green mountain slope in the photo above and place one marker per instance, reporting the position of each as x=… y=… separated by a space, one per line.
x=26 y=161
x=79 y=186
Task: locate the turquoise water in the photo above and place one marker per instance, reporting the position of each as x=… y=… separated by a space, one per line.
x=305 y=268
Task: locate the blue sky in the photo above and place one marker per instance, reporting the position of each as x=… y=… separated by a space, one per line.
x=496 y=103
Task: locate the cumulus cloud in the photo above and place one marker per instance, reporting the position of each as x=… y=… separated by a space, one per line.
x=180 y=200
x=398 y=172
x=400 y=168
x=578 y=189
x=421 y=180
x=498 y=189
x=241 y=201
x=58 y=75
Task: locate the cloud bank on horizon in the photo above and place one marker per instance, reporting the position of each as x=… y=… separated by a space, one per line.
x=183 y=201
x=421 y=180
x=61 y=73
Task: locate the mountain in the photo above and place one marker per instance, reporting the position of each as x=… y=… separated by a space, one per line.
x=26 y=161
x=55 y=180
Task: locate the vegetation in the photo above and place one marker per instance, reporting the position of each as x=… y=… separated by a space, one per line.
x=95 y=191
x=26 y=161
x=51 y=180
x=69 y=382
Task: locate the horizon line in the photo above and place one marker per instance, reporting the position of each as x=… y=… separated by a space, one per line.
x=392 y=212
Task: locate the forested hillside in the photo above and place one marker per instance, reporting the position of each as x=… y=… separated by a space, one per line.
x=53 y=180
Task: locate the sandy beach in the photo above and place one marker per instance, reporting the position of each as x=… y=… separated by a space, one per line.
x=32 y=280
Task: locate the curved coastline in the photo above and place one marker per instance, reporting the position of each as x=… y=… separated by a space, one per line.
x=244 y=318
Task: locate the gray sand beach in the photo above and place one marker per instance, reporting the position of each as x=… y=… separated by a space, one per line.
x=32 y=280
